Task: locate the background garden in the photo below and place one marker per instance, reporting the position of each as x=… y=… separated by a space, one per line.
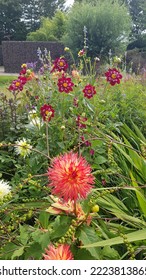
x=72 y=132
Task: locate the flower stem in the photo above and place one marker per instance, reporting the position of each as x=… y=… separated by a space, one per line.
x=47 y=140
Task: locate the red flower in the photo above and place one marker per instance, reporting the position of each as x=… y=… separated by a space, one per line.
x=89 y=91
x=60 y=64
x=80 y=121
x=81 y=53
x=16 y=85
x=23 y=79
x=65 y=84
x=113 y=76
x=70 y=177
x=47 y=112
x=62 y=252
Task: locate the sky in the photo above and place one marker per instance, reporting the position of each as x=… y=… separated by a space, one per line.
x=69 y=2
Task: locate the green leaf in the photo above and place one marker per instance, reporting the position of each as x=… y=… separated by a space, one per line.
x=132 y=237
x=139 y=194
x=100 y=159
x=19 y=252
x=87 y=235
x=23 y=234
x=110 y=253
x=60 y=226
x=34 y=252
x=43 y=238
x=44 y=219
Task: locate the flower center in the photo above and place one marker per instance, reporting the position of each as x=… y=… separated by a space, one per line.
x=65 y=85
x=113 y=76
x=48 y=113
x=89 y=90
x=17 y=84
x=61 y=63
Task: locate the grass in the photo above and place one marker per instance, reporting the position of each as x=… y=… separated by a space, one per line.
x=4 y=79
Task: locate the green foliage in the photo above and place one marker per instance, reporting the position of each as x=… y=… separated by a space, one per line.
x=107 y=23
x=112 y=140
x=50 y=29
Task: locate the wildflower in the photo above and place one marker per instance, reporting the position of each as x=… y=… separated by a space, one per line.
x=47 y=112
x=66 y=49
x=23 y=147
x=117 y=59
x=60 y=64
x=89 y=91
x=65 y=84
x=4 y=189
x=16 y=85
x=70 y=177
x=81 y=53
x=75 y=101
x=81 y=121
x=113 y=76
x=75 y=74
x=62 y=252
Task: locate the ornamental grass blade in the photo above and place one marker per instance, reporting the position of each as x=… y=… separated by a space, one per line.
x=139 y=194
x=132 y=237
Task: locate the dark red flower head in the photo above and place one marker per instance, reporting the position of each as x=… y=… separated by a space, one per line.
x=16 y=85
x=89 y=91
x=113 y=76
x=59 y=64
x=65 y=84
x=47 y=112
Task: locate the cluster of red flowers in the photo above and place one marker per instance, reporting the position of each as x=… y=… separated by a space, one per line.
x=113 y=76
x=65 y=84
x=59 y=64
x=89 y=91
x=47 y=112
x=24 y=76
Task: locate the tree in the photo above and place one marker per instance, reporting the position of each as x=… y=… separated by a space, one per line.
x=107 y=22
x=18 y=17
x=137 y=9
x=50 y=29
x=11 y=27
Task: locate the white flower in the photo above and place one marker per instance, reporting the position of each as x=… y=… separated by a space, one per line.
x=4 y=189
x=35 y=121
x=23 y=147
x=32 y=115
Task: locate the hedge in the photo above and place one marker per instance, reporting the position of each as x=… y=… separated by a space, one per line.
x=17 y=52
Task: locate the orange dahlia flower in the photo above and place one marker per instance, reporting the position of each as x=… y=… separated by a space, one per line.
x=70 y=177
x=62 y=252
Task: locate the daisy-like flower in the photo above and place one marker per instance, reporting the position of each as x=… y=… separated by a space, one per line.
x=59 y=64
x=47 y=112
x=62 y=252
x=4 y=189
x=65 y=84
x=70 y=177
x=16 y=85
x=23 y=147
x=89 y=91
x=113 y=76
